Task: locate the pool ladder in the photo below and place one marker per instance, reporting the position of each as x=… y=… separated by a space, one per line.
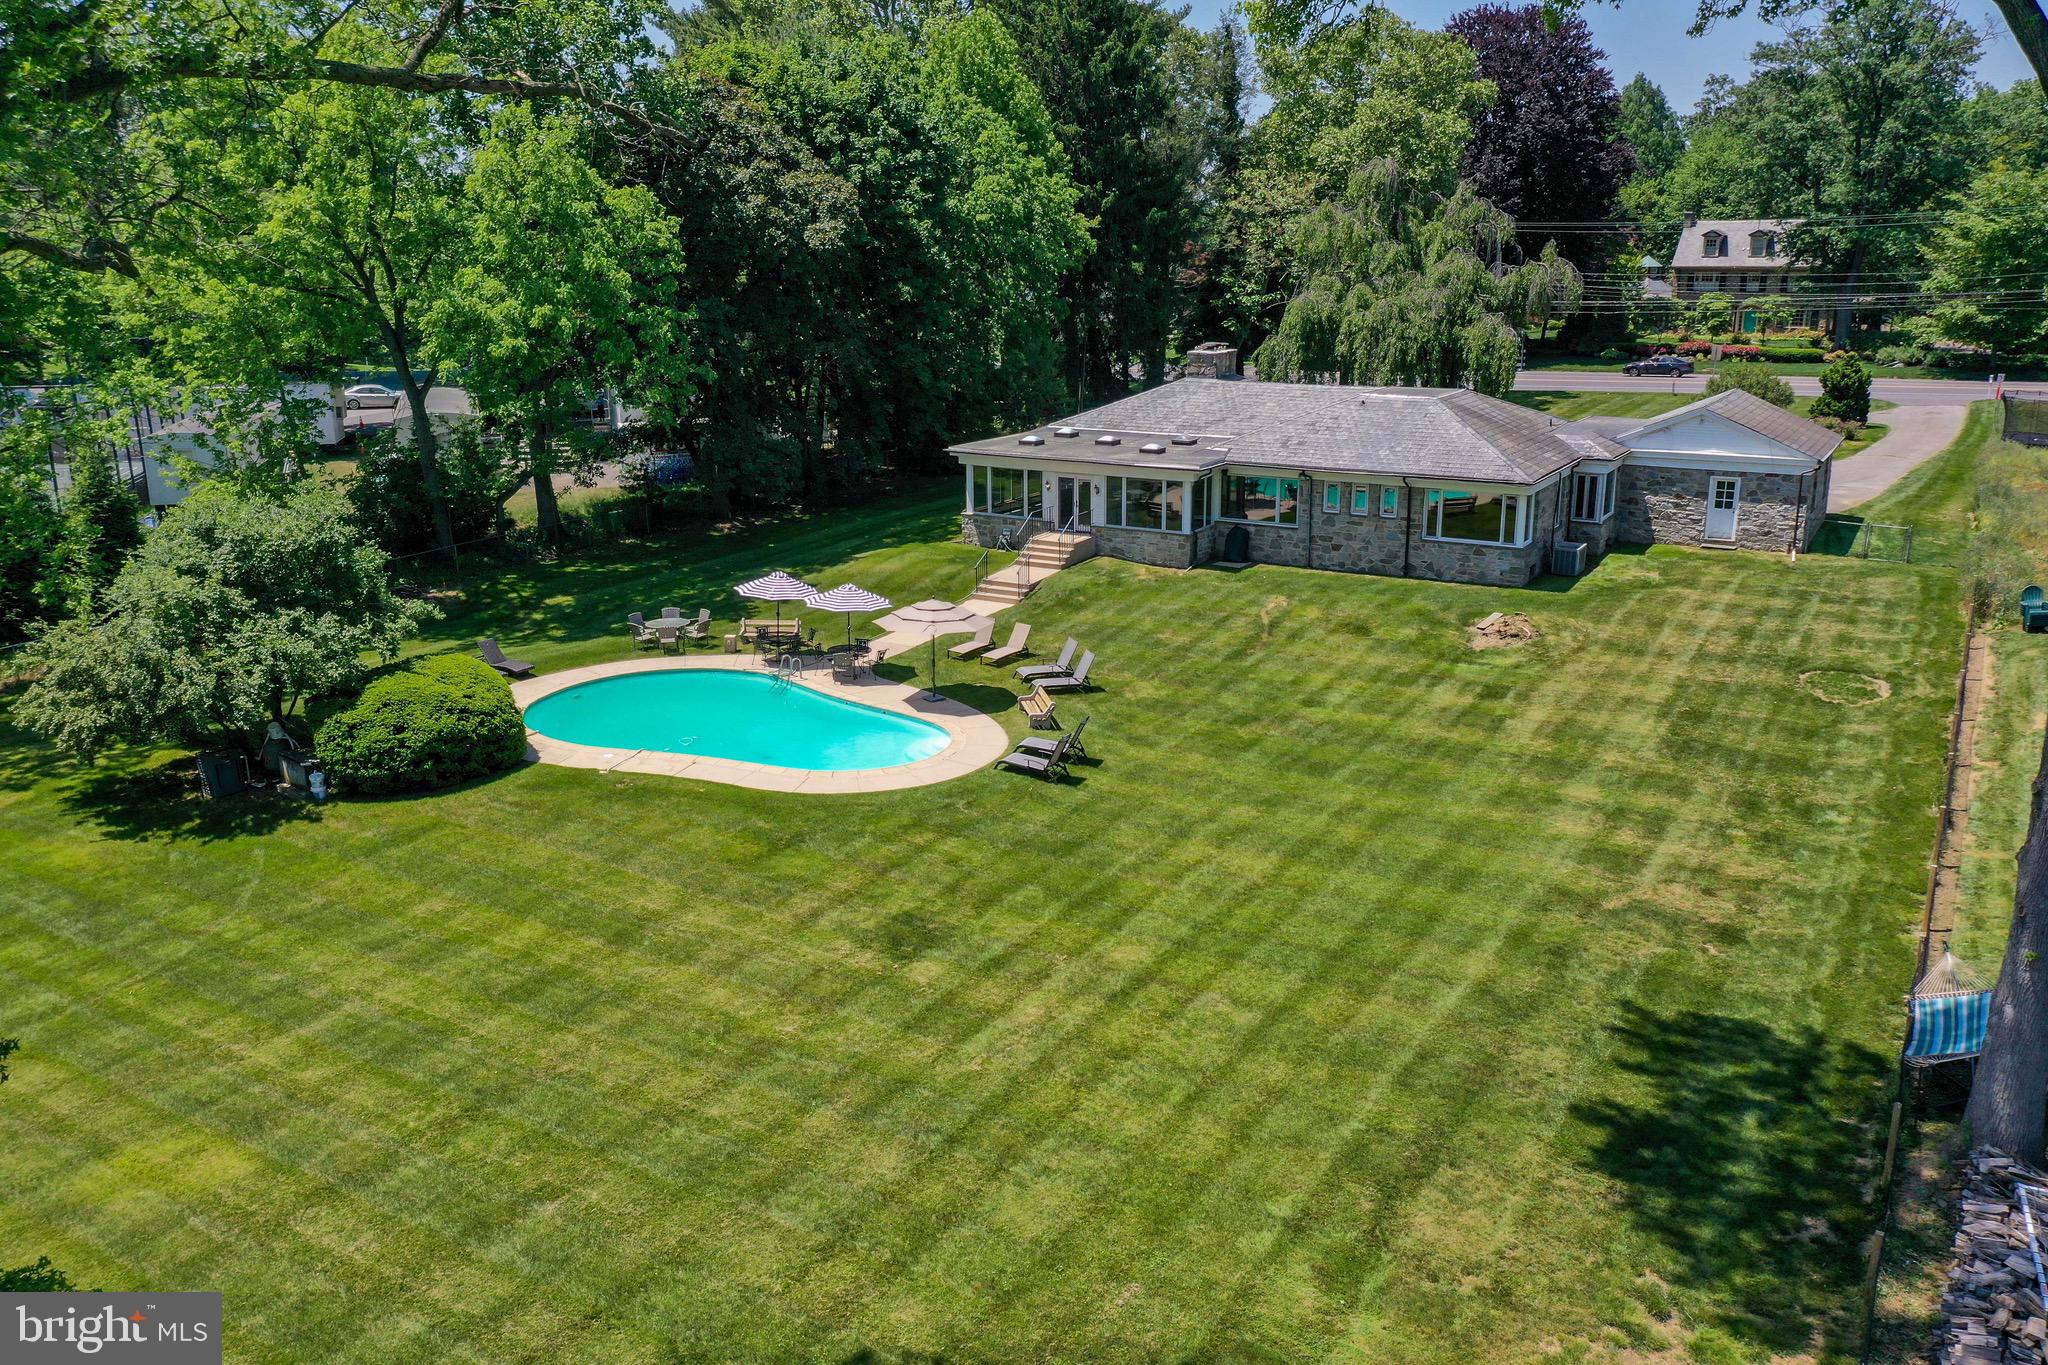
x=787 y=667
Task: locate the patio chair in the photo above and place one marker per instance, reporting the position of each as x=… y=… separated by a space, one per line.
x=495 y=657
x=873 y=661
x=670 y=633
x=1051 y=766
x=1030 y=671
x=983 y=638
x=2033 y=614
x=674 y=614
x=1039 y=708
x=643 y=634
x=1011 y=650
x=1068 y=682
x=1037 y=744
x=699 y=629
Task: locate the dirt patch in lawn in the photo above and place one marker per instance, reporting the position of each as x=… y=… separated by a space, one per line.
x=1843 y=688
x=1501 y=630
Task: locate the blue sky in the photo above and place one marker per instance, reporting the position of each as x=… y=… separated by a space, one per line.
x=1649 y=36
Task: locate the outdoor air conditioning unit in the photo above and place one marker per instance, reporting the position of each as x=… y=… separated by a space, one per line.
x=1568 y=557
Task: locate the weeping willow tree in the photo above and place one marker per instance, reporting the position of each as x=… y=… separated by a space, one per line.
x=1399 y=287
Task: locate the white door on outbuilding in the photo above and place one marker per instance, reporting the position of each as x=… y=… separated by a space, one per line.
x=1724 y=506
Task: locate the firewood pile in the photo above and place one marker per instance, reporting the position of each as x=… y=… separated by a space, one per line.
x=1991 y=1312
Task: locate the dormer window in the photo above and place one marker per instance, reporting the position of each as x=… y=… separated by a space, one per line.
x=1763 y=244
x=1714 y=244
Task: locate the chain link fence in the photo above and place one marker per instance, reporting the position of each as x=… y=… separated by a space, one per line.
x=1843 y=535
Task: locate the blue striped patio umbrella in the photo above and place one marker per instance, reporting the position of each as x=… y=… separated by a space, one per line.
x=849 y=598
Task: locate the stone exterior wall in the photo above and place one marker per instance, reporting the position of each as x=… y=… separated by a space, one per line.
x=1593 y=534
x=1496 y=565
x=1168 y=549
x=986 y=529
x=1669 y=507
x=1369 y=544
x=1375 y=544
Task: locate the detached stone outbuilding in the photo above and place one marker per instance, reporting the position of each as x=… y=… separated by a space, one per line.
x=1422 y=483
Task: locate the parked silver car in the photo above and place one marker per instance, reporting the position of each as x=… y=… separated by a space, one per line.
x=369 y=396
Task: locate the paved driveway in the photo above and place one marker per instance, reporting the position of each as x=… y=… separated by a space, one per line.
x=1918 y=433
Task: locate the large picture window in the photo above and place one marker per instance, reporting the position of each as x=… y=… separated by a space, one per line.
x=1146 y=504
x=1260 y=499
x=1006 y=491
x=1592 y=497
x=1475 y=518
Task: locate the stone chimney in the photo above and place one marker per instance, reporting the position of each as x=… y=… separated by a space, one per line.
x=1210 y=360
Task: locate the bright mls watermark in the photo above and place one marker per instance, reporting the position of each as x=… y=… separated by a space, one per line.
x=161 y=1329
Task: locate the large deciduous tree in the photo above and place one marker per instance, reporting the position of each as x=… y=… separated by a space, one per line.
x=1354 y=83
x=1549 y=147
x=326 y=234
x=564 y=283
x=1986 y=264
x=1650 y=126
x=1396 y=290
x=233 y=612
x=1101 y=66
x=2005 y=1110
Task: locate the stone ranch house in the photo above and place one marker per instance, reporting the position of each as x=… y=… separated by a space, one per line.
x=1419 y=483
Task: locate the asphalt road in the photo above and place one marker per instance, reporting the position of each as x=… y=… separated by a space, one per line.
x=1905 y=392
x=441 y=399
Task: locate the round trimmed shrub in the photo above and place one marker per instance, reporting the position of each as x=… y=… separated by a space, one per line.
x=432 y=724
x=1754 y=377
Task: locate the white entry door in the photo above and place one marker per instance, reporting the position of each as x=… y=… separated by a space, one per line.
x=1724 y=505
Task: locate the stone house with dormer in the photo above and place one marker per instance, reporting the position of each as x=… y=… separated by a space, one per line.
x=1740 y=257
x=1443 y=484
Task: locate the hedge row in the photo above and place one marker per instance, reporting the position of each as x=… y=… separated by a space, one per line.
x=432 y=724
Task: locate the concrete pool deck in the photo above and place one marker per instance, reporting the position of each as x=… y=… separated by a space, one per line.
x=973 y=740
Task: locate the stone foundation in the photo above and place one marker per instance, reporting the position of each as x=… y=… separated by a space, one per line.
x=1991 y=1312
x=1669 y=507
x=987 y=529
x=1167 y=549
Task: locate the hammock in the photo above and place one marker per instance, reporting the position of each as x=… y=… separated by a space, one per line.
x=1946 y=1014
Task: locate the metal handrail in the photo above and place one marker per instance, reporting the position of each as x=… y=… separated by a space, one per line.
x=981 y=569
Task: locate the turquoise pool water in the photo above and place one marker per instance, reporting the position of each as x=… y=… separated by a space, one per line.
x=721 y=713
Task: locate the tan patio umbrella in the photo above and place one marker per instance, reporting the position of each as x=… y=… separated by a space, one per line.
x=929 y=620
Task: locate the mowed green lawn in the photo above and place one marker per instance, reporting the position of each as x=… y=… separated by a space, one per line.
x=1368 y=998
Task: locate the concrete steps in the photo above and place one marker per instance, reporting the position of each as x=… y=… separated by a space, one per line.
x=1041 y=558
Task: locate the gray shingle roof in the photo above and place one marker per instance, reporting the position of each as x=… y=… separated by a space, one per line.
x=1692 y=243
x=1324 y=428
x=1747 y=410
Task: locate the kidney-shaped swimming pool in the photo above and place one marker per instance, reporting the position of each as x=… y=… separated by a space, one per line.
x=722 y=713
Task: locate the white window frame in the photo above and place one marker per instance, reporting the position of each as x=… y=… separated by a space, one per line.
x=1276 y=523
x=1390 y=500
x=1433 y=512
x=1116 y=489
x=1333 y=499
x=984 y=491
x=1362 y=497
x=1603 y=498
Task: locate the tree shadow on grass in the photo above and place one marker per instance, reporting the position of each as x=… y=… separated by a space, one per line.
x=163 y=801
x=986 y=698
x=1745 y=1151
